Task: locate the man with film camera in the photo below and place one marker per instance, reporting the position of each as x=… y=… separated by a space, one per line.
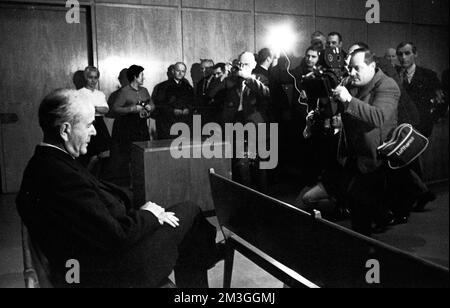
x=369 y=114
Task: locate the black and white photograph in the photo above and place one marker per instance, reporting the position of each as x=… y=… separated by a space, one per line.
x=226 y=151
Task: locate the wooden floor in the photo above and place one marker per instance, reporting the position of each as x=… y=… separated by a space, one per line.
x=426 y=235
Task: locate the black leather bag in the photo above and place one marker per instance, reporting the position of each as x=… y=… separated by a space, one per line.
x=406 y=145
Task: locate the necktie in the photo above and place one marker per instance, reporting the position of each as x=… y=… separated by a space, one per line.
x=241 y=97
x=405 y=77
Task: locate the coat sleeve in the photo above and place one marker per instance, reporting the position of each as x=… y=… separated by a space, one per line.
x=384 y=106
x=258 y=87
x=104 y=223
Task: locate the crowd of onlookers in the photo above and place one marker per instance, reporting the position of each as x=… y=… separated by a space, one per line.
x=259 y=88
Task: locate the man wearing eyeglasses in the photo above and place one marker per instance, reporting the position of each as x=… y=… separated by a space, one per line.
x=246 y=101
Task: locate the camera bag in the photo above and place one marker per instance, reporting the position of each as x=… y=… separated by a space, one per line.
x=404 y=147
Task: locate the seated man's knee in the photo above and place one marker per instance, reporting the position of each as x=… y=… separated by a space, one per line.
x=315 y=195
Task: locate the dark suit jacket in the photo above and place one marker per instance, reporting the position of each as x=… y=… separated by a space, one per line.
x=72 y=215
x=255 y=99
x=169 y=96
x=368 y=120
x=421 y=90
x=279 y=101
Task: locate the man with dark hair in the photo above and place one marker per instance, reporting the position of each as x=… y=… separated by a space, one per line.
x=369 y=115
x=334 y=40
x=264 y=59
x=421 y=84
x=424 y=89
x=213 y=106
x=174 y=100
x=73 y=216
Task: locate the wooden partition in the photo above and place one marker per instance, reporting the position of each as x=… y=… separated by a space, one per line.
x=303 y=250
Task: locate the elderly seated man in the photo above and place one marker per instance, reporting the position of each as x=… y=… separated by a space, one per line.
x=74 y=216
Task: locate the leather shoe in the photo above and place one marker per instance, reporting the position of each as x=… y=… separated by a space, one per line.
x=422 y=201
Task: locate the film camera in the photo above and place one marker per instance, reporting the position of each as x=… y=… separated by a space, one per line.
x=319 y=84
x=331 y=72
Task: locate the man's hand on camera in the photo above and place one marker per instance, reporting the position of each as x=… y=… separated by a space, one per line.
x=341 y=93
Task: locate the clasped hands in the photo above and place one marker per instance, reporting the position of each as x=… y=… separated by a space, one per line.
x=161 y=214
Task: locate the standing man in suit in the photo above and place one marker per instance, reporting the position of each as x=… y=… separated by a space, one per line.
x=369 y=115
x=247 y=101
x=174 y=101
x=72 y=215
x=424 y=89
x=421 y=84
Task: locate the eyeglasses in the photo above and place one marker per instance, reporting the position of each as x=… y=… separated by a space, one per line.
x=241 y=64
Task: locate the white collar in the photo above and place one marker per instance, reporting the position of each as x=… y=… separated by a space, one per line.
x=411 y=70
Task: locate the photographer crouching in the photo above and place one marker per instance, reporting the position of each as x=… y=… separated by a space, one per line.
x=368 y=111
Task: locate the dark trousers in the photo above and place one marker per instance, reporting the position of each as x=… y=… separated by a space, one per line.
x=366 y=197
x=188 y=249
x=404 y=187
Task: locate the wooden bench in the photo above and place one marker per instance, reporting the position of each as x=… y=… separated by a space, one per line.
x=304 y=250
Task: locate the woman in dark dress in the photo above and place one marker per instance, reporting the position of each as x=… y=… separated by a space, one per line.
x=131 y=110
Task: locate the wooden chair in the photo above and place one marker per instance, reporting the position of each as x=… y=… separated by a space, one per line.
x=36 y=271
x=304 y=250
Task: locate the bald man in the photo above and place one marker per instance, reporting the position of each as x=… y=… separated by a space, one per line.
x=391 y=56
x=247 y=97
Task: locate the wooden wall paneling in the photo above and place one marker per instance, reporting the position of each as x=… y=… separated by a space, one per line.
x=150 y=37
x=303 y=26
x=221 y=36
x=433 y=12
x=395 y=10
x=352 y=30
x=432 y=45
x=40 y=52
x=385 y=35
x=173 y=3
x=238 y=5
x=341 y=8
x=55 y=3
x=298 y=7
